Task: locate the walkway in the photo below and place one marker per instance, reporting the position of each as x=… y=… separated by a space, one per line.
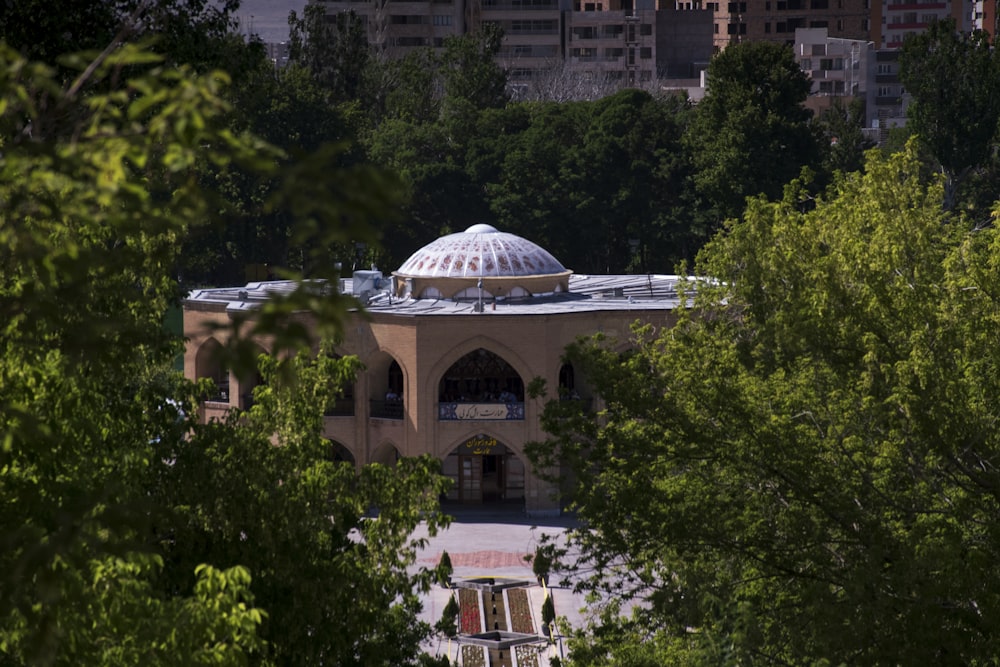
x=493 y=543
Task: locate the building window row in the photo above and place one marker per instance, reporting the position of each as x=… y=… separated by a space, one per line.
x=534 y=27
x=530 y=51
x=409 y=19
x=521 y=4
x=411 y=41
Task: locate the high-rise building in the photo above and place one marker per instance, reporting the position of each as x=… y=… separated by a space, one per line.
x=777 y=20
x=893 y=20
x=608 y=40
x=984 y=16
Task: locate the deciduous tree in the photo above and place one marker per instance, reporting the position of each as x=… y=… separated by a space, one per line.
x=804 y=469
x=129 y=533
x=954 y=79
x=751 y=134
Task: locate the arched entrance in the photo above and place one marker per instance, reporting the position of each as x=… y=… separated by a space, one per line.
x=484 y=471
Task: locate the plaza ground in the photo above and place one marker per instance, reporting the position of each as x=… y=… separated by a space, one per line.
x=485 y=543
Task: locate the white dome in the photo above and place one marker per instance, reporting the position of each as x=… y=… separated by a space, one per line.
x=480 y=251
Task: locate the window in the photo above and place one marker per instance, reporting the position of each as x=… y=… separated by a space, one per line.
x=767 y=28
x=819 y=4
x=819 y=24
x=819 y=49
x=408 y=19
x=731 y=29
x=716 y=28
x=442 y=20
x=646 y=29
x=646 y=52
x=781 y=26
x=840 y=25
x=533 y=27
x=806 y=64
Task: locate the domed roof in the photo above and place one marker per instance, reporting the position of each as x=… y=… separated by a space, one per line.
x=480 y=251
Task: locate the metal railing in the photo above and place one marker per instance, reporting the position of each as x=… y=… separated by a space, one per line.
x=386 y=409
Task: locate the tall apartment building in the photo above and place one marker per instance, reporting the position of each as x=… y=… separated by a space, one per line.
x=603 y=39
x=984 y=16
x=612 y=40
x=893 y=20
x=777 y=20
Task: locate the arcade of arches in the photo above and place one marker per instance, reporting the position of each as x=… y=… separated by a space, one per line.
x=482 y=468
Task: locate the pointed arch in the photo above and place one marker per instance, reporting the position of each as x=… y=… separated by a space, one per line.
x=208 y=365
x=385 y=453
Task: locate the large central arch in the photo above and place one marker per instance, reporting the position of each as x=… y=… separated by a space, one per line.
x=484 y=471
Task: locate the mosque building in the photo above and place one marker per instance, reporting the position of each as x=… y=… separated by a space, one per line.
x=449 y=343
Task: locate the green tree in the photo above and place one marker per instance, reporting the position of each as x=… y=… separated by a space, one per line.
x=612 y=170
x=751 y=134
x=448 y=624
x=955 y=83
x=548 y=614
x=472 y=79
x=116 y=546
x=803 y=469
x=332 y=577
x=333 y=48
x=186 y=31
x=444 y=570
x=842 y=129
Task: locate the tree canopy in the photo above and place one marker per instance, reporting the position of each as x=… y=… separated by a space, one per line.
x=130 y=533
x=804 y=469
x=751 y=133
x=954 y=79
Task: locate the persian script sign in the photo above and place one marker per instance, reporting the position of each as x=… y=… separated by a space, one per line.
x=481 y=445
x=481 y=411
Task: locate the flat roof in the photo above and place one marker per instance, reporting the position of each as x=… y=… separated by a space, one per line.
x=587 y=293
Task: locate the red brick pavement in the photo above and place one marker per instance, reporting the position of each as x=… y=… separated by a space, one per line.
x=484 y=559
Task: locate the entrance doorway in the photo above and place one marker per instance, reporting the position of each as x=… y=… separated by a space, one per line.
x=486 y=473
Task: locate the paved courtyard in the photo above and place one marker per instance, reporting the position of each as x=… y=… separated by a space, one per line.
x=484 y=543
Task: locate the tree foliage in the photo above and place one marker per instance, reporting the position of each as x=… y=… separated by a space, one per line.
x=333 y=48
x=751 y=133
x=954 y=79
x=804 y=469
x=130 y=533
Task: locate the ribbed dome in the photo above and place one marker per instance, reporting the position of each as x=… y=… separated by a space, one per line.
x=483 y=251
